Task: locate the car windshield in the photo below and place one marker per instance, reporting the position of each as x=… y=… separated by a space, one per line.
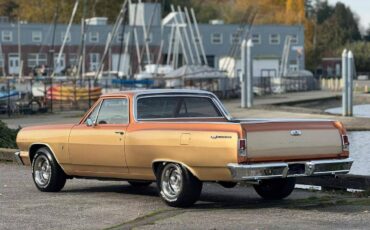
x=176 y=107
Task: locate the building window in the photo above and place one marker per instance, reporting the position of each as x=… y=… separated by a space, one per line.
x=36 y=59
x=7 y=36
x=36 y=36
x=235 y=38
x=293 y=65
x=216 y=38
x=294 y=38
x=94 y=37
x=94 y=61
x=68 y=36
x=274 y=39
x=62 y=63
x=13 y=63
x=256 y=39
x=73 y=59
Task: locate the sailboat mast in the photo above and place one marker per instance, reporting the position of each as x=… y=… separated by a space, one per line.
x=57 y=64
x=197 y=53
x=19 y=51
x=184 y=25
x=184 y=53
x=198 y=35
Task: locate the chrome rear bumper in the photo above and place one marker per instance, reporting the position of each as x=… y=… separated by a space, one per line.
x=18 y=159
x=289 y=169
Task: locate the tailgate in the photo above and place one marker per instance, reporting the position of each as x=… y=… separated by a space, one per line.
x=292 y=140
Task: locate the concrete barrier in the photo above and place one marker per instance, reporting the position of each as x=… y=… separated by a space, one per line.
x=7 y=154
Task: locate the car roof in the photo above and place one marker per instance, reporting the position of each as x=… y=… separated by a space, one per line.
x=156 y=91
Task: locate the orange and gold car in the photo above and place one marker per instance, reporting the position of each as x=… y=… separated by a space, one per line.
x=181 y=138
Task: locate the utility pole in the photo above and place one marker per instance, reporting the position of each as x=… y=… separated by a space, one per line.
x=345 y=82
x=243 y=73
x=247 y=74
x=350 y=68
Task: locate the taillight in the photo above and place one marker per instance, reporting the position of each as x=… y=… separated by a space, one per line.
x=242 y=148
x=242 y=145
x=345 y=143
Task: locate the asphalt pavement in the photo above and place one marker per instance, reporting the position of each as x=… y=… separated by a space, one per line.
x=92 y=204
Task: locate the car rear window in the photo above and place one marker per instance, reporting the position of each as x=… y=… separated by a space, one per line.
x=176 y=107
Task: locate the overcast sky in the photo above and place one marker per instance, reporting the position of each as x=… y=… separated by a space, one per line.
x=360 y=7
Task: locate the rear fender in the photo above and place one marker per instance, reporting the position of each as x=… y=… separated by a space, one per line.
x=174 y=161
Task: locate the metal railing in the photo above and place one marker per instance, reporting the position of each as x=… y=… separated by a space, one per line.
x=41 y=95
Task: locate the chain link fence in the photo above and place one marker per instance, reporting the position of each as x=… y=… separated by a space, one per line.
x=42 y=95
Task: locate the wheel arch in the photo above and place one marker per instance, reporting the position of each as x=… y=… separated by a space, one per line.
x=158 y=162
x=35 y=146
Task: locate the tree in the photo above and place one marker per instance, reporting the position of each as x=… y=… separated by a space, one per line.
x=9 y=9
x=295 y=11
x=367 y=34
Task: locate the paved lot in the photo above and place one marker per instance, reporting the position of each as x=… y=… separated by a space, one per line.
x=90 y=204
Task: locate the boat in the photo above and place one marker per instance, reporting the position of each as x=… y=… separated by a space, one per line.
x=70 y=93
x=11 y=95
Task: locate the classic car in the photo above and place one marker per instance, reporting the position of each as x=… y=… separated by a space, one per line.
x=180 y=139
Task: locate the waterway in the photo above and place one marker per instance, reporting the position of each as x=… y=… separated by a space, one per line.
x=360 y=152
x=358 y=110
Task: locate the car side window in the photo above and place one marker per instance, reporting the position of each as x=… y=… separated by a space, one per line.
x=93 y=114
x=113 y=111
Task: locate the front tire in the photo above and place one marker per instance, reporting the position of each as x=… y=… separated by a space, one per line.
x=47 y=175
x=177 y=186
x=275 y=189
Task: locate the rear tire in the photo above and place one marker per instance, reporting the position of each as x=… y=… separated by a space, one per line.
x=47 y=175
x=177 y=186
x=275 y=189
x=139 y=184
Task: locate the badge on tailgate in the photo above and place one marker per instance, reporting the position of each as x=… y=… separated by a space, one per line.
x=295 y=132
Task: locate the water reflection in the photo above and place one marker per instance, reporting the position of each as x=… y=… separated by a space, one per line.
x=358 y=110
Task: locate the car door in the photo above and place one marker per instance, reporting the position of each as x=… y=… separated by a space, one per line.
x=96 y=145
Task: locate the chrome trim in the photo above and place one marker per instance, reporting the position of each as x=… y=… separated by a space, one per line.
x=179 y=93
x=18 y=159
x=260 y=171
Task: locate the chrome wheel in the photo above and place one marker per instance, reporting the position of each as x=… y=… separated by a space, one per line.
x=171 y=181
x=42 y=171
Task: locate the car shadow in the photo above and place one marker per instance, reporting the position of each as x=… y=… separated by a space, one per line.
x=215 y=197
x=121 y=189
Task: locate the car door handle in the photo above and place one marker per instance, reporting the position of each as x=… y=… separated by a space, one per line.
x=119 y=132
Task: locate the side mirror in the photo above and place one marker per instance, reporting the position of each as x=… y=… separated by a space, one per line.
x=89 y=122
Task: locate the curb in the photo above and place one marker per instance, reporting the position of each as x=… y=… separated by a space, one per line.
x=7 y=154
